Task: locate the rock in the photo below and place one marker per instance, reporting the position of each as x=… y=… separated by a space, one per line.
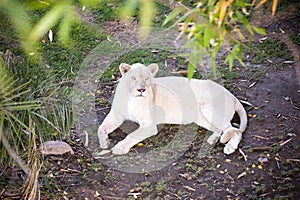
x=262 y=160
x=55 y=148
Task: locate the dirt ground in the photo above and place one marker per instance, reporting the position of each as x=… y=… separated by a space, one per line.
x=267 y=166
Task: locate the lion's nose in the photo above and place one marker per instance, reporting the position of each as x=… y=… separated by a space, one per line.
x=141 y=90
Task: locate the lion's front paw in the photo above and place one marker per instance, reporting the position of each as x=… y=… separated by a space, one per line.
x=229 y=149
x=104 y=142
x=120 y=149
x=213 y=139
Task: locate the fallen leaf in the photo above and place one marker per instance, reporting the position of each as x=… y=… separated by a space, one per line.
x=241 y=175
x=189 y=188
x=96 y=194
x=140 y=144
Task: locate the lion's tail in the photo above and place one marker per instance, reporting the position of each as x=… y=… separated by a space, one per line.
x=229 y=133
x=242 y=114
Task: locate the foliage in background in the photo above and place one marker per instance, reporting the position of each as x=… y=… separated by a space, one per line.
x=16 y=127
x=62 y=14
x=212 y=24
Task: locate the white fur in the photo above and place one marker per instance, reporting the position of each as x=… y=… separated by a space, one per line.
x=150 y=101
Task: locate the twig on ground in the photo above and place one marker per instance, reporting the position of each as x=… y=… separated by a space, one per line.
x=285 y=142
x=189 y=188
x=86 y=143
x=135 y=194
x=243 y=154
x=262 y=148
x=260 y=137
x=293 y=159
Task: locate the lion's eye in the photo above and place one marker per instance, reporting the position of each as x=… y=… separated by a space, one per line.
x=147 y=78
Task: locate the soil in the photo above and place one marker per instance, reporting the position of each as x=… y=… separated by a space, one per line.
x=267 y=166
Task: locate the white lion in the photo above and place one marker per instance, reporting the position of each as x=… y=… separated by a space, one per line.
x=150 y=101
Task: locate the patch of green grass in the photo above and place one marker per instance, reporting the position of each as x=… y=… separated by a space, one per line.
x=8 y=36
x=295 y=37
x=105 y=11
x=146 y=186
x=284 y=4
x=260 y=189
x=271 y=52
x=228 y=77
x=284 y=197
x=162 y=11
x=144 y=56
x=286 y=187
x=161 y=185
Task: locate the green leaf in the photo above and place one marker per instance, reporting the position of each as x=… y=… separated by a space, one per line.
x=147 y=13
x=261 y=31
x=20 y=21
x=191 y=70
x=193 y=59
x=207 y=35
x=235 y=54
x=128 y=9
x=184 y=17
x=243 y=19
x=69 y=18
x=92 y=3
x=173 y=14
x=47 y=21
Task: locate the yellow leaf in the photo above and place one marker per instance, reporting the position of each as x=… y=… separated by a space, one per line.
x=274 y=6
x=241 y=175
x=259 y=167
x=140 y=144
x=96 y=194
x=227 y=160
x=131 y=190
x=261 y=3
x=253 y=165
x=223 y=10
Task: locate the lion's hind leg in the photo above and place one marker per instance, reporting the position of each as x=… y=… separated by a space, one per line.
x=228 y=133
x=203 y=122
x=232 y=136
x=233 y=143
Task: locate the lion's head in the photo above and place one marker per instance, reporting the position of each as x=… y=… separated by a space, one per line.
x=138 y=78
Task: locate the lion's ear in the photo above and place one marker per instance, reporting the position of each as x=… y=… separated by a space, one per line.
x=153 y=68
x=124 y=68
